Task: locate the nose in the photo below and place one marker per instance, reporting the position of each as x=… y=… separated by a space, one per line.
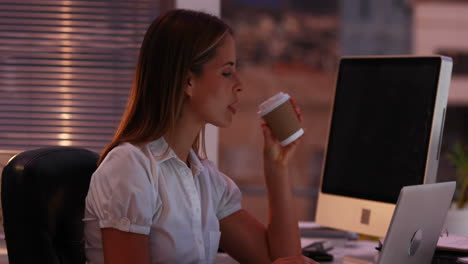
x=238 y=86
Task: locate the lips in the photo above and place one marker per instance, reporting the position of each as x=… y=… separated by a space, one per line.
x=232 y=109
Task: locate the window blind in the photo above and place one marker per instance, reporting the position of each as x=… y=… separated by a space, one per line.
x=66 y=69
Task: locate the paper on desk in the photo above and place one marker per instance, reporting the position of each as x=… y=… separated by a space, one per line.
x=358 y=260
x=453 y=242
x=312 y=229
x=308 y=224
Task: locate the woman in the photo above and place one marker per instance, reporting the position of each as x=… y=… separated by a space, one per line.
x=153 y=199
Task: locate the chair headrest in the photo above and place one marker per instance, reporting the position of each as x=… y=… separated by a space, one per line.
x=43 y=199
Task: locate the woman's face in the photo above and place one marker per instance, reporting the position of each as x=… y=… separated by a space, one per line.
x=213 y=93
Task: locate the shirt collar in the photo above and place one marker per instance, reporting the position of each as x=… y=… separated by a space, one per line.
x=195 y=163
x=163 y=152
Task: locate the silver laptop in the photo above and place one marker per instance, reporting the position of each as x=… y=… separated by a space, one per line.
x=417 y=223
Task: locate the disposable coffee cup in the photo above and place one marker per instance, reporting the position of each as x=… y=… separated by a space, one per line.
x=278 y=112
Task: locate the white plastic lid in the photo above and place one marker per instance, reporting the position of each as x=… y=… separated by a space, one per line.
x=271 y=103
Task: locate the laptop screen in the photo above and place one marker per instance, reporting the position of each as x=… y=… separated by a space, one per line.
x=381 y=126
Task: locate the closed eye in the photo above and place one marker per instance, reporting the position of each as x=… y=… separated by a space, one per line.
x=227 y=74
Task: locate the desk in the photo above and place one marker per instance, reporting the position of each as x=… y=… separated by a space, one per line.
x=341 y=248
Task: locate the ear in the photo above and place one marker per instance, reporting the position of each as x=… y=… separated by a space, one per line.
x=189 y=86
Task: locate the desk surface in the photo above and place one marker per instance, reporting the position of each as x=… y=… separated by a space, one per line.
x=352 y=248
x=341 y=248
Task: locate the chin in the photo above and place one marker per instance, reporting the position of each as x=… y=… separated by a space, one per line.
x=222 y=123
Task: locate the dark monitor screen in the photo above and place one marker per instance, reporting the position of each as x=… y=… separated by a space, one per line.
x=381 y=126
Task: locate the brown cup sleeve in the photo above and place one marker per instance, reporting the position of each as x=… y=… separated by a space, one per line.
x=283 y=121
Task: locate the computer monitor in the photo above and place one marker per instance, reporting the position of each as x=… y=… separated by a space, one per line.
x=385 y=132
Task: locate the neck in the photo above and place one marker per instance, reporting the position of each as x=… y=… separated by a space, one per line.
x=182 y=137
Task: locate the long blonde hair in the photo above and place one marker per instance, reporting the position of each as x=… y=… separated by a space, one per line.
x=176 y=43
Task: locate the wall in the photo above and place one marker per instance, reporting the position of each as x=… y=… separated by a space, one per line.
x=442 y=28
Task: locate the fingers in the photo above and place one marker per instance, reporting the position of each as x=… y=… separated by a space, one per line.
x=267 y=135
x=290 y=149
x=266 y=131
x=270 y=140
x=296 y=109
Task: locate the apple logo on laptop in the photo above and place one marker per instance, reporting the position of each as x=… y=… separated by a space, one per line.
x=415 y=242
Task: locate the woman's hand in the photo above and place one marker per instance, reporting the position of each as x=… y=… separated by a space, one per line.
x=282 y=233
x=295 y=260
x=273 y=151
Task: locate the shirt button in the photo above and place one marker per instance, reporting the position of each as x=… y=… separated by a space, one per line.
x=199 y=241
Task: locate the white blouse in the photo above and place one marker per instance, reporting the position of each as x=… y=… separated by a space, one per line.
x=138 y=189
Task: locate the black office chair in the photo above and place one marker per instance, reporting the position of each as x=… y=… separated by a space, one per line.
x=43 y=199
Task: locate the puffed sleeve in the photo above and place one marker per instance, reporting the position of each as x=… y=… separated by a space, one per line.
x=122 y=191
x=227 y=194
